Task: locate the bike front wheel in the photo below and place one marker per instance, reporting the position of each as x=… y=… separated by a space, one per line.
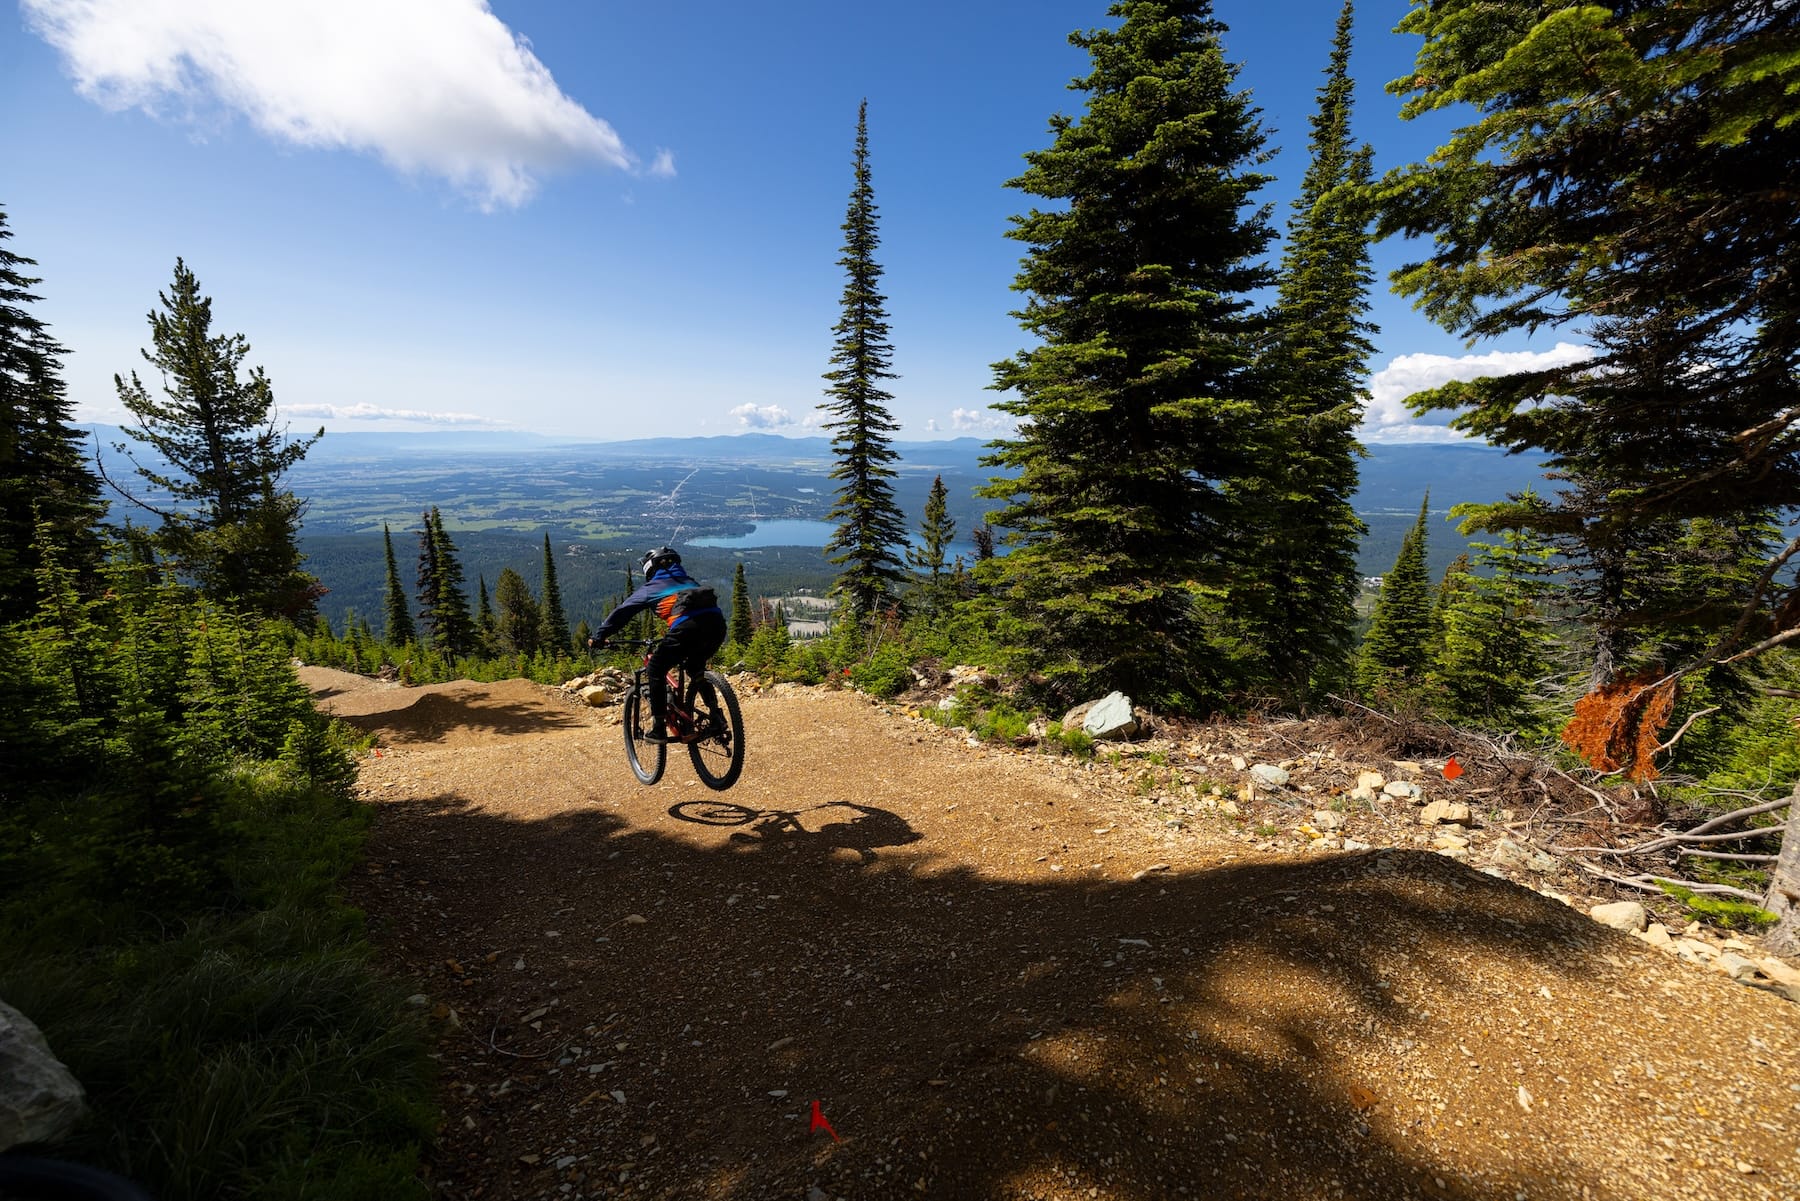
x=647 y=758
x=718 y=746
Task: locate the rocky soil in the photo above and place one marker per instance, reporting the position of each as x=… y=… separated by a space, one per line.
x=892 y=964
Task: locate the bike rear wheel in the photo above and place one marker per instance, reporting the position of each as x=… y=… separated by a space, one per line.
x=647 y=758
x=718 y=748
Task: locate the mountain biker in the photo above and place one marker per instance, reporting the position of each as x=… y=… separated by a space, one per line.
x=696 y=627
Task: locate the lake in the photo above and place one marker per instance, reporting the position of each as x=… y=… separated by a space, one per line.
x=808 y=533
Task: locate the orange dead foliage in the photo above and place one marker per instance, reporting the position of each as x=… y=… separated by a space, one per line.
x=1618 y=726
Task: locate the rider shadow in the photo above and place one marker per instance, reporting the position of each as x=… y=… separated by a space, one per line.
x=862 y=832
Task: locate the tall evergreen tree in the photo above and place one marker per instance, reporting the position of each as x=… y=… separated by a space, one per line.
x=427 y=579
x=443 y=605
x=484 y=611
x=1629 y=174
x=44 y=479
x=218 y=458
x=741 y=627
x=518 y=621
x=1295 y=589
x=1496 y=634
x=1138 y=402
x=983 y=537
x=937 y=530
x=1396 y=652
x=397 y=614
x=554 y=636
x=870 y=523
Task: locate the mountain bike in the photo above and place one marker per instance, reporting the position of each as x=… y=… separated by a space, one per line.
x=703 y=715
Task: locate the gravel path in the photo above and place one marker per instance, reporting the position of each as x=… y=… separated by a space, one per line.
x=996 y=980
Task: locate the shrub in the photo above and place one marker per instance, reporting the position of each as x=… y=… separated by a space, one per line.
x=1071 y=740
x=885 y=674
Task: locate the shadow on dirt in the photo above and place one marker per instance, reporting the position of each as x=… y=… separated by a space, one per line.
x=440 y=716
x=967 y=1037
x=815 y=830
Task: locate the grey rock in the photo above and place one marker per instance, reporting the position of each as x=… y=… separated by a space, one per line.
x=1403 y=790
x=1736 y=966
x=1111 y=717
x=40 y=1099
x=1628 y=916
x=1269 y=775
x=1328 y=819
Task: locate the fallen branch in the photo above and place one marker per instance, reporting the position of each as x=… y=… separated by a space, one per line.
x=1727 y=855
x=1752 y=811
x=1342 y=700
x=1698 y=833
x=1649 y=883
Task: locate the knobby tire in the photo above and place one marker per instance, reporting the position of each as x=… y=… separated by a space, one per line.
x=719 y=756
x=647 y=759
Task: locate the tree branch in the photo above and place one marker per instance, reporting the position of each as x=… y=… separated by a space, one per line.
x=1689 y=851
x=1649 y=883
x=1678 y=735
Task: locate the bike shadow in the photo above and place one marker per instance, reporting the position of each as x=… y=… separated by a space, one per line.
x=819 y=829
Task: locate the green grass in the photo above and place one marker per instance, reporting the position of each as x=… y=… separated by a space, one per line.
x=249 y=1050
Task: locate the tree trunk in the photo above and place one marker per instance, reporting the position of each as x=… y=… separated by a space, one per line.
x=1784 y=886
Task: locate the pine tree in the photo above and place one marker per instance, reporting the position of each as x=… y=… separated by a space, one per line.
x=937 y=530
x=554 y=636
x=740 y=608
x=44 y=479
x=398 y=627
x=1630 y=175
x=1496 y=634
x=484 y=612
x=227 y=522
x=1295 y=589
x=870 y=523
x=518 y=621
x=983 y=537
x=443 y=605
x=1396 y=652
x=427 y=579
x=1139 y=400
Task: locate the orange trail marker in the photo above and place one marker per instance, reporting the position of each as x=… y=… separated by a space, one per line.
x=818 y=1120
x=1452 y=769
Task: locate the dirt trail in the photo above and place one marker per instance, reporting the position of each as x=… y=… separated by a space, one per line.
x=999 y=983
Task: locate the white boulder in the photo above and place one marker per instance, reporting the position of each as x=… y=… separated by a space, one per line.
x=40 y=1099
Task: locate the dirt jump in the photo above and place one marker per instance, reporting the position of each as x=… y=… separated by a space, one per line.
x=889 y=964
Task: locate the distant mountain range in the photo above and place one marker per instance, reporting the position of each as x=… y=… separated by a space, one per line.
x=1395 y=476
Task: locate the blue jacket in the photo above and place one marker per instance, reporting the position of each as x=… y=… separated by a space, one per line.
x=672 y=592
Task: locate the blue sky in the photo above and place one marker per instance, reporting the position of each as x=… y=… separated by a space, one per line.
x=584 y=217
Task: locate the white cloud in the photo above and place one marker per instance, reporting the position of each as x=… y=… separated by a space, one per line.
x=369 y=412
x=763 y=417
x=1389 y=420
x=440 y=87
x=982 y=420
x=663 y=165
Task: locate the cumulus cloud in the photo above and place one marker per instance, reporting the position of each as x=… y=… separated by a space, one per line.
x=763 y=417
x=439 y=87
x=1388 y=419
x=984 y=421
x=369 y=412
x=663 y=165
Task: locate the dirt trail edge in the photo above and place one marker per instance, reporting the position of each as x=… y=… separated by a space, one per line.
x=992 y=982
